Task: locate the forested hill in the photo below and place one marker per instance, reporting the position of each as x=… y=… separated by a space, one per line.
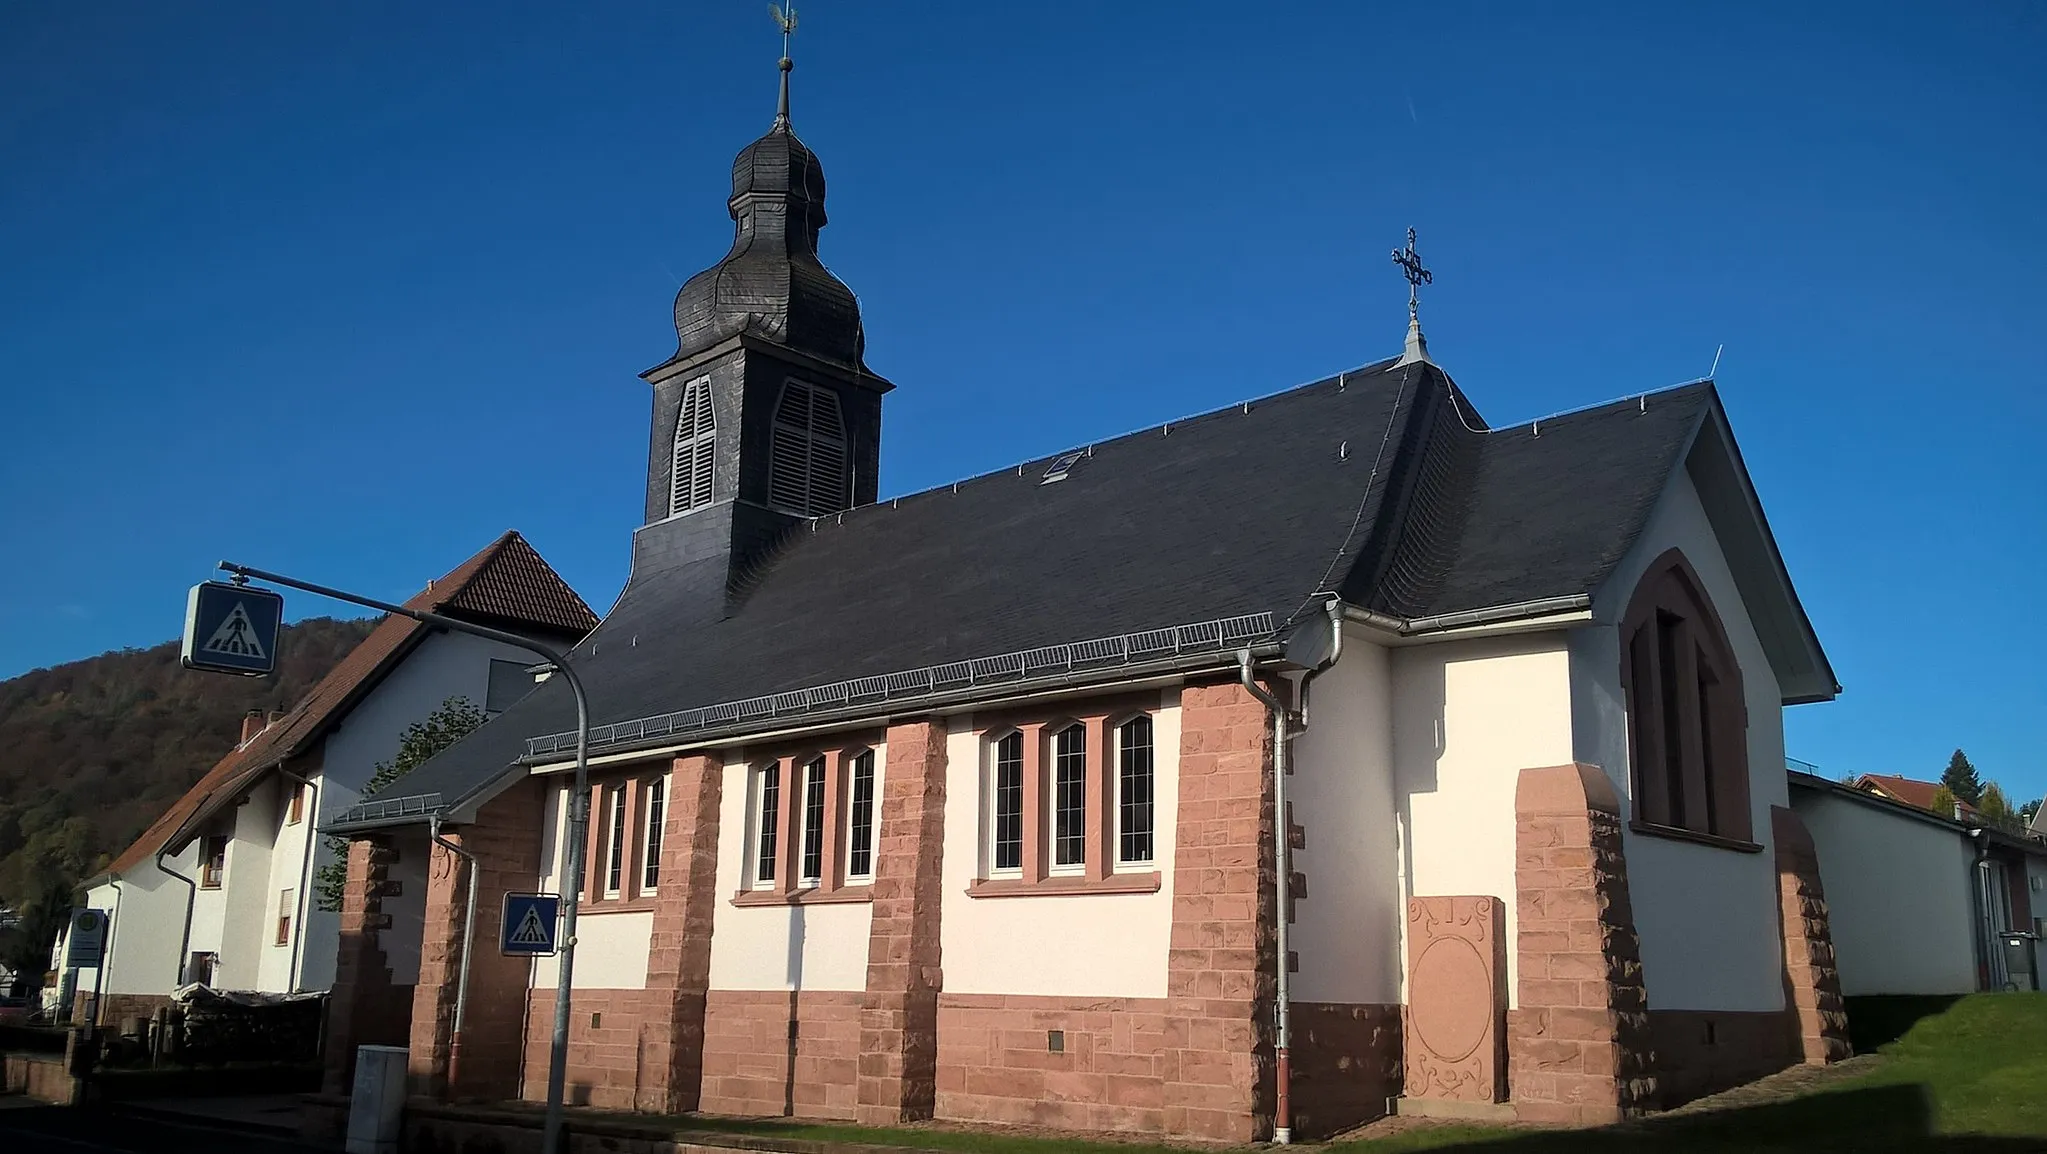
x=92 y=751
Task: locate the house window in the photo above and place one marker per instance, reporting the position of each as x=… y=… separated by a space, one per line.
x=696 y=444
x=1069 y=798
x=770 y=805
x=813 y=821
x=860 y=854
x=1687 y=723
x=295 y=809
x=656 y=809
x=215 y=865
x=287 y=904
x=807 y=452
x=614 y=841
x=1134 y=791
x=200 y=968
x=509 y=681
x=1008 y=791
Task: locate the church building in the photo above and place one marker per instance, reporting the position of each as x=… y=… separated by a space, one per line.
x=1249 y=776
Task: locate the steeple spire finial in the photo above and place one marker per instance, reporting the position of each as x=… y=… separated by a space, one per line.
x=1410 y=263
x=785 y=16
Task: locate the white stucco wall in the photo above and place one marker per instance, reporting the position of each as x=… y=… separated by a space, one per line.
x=1707 y=916
x=1898 y=897
x=247 y=928
x=149 y=926
x=287 y=867
x=611 y=946
x=1346 y=932
x=1468 y=717
x=1094 y=945
x=816 y=947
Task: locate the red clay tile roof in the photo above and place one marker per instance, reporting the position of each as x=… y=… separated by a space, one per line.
x=507 y=584
x=1907 y=790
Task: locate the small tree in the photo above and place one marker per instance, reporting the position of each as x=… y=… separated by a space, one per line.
x=1961 y=779
x=1996 y=808
x=1944 y=802
x=455 y=719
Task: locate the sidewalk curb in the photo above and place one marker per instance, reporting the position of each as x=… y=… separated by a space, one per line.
x=205 y=1121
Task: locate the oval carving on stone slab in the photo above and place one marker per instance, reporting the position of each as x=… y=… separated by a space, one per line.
x=1452 y=998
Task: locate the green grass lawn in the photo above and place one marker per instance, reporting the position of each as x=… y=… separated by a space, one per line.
x=1971 y=1078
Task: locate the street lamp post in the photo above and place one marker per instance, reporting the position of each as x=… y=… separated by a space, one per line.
x=579 y=815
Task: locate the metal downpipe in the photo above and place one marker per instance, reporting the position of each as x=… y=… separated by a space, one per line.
x=468 y=942
x=1283 y=732
x=191 y=894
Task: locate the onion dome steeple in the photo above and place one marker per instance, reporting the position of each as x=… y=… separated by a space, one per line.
x=772 y=284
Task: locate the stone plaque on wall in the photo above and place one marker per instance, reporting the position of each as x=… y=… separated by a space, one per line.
x=1455 y=1022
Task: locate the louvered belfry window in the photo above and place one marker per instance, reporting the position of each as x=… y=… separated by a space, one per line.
x=807 y=457
x=696 y=446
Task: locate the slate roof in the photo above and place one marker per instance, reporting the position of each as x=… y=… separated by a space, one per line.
x=1381 y=484
x=506 y=584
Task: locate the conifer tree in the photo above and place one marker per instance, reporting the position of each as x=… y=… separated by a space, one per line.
x=1961 y=778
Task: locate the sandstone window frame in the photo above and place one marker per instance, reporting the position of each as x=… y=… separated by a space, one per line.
x=1687 y=723
x=619 y=836
x=1120 y=730
x=860 y=763
x=781 y=843
x=650 y=831
x=1040 y=870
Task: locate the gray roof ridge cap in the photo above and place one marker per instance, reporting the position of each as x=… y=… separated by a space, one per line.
x=1582 y=410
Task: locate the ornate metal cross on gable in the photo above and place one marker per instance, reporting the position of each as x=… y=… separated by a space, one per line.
x=1410 y=263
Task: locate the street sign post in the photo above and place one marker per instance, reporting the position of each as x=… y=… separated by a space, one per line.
x=87 y=942
x=528 y=929
x=231 y=629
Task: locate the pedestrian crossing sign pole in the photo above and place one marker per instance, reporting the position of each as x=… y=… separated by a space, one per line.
x=231 y=628
x=528 y=929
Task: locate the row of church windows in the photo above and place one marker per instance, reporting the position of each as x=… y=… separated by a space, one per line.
x=807 y=450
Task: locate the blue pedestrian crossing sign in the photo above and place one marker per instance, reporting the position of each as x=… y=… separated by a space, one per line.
x=232 y=629
x=529 y=926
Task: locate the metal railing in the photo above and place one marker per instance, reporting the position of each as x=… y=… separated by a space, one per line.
x=1003 y=669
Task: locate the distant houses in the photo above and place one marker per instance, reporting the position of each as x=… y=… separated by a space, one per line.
x=218 y=890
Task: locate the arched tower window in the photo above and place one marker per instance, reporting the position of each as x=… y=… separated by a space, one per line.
x=696 y=446
x=1687 y=721
x=807 y=454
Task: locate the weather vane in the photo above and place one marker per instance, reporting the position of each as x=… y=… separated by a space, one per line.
x=1410 y=264
x=785 y=18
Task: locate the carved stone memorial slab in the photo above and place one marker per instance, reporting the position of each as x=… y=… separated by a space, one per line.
x=1455 y=1035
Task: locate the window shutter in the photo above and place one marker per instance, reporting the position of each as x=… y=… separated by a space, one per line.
x=696 y=442
x=807 y=452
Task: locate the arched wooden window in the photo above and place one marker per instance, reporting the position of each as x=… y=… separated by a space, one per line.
x=696 y=444
x=1687 y=724
x=807 y=452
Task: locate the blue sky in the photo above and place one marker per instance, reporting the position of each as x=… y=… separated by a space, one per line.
x=347 y=290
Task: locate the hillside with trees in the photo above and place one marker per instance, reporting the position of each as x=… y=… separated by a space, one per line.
x=93 y=750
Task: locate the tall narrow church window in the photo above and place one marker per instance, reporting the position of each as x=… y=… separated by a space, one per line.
x=860 y=859
x=807 y=452
x=1687 y=725
x=1134 y=791
x=696 y=444
x=654 y=802
x=813 y=820
x=1008 y=791
x=1069 y=797
x=770 y=805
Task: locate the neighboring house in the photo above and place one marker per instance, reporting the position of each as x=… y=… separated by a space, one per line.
x=1913 y=792
x=965 y=804
x=1919 y=902
x=217 y=890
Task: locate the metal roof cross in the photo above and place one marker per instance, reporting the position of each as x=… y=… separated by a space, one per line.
x=1410 y=263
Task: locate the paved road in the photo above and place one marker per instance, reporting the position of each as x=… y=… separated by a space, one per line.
x=26 y=1129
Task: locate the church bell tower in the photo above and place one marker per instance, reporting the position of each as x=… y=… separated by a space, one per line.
x=767 y=414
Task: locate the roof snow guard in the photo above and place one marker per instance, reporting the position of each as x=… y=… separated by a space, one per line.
x=417 y=805
x=1007 y=669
